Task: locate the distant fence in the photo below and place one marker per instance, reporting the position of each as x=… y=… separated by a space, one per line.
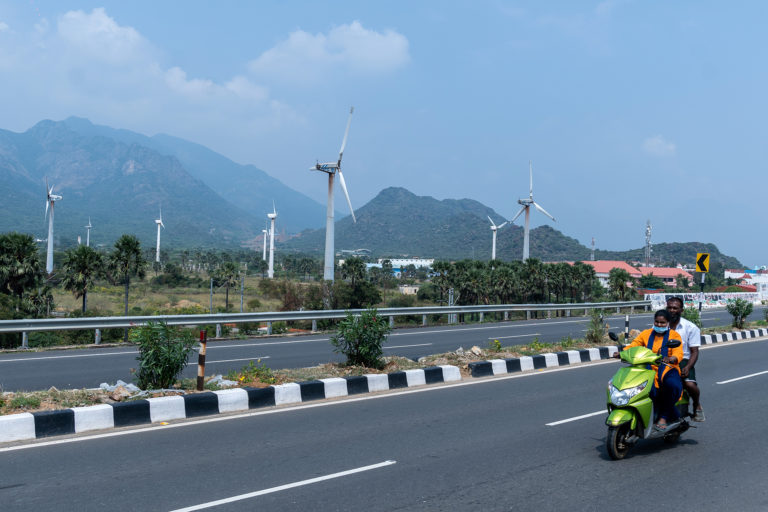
x=111 y=322
x=709 y=300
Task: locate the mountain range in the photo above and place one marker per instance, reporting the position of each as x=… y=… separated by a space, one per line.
x=120 y=179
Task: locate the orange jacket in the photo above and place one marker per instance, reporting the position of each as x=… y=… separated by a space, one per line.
x=642 y=341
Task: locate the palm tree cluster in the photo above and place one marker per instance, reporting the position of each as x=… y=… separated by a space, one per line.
x=24 y=290
x=516 y=282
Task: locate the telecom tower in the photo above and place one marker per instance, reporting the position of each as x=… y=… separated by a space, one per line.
x=592 y=256
x=648 y=245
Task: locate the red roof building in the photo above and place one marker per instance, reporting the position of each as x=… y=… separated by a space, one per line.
x=604 y=267
x=667 y=274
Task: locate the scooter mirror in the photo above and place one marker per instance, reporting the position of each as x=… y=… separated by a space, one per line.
x=613 y=336
x=674 y=344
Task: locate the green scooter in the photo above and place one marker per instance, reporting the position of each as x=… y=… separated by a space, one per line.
x=630 y=408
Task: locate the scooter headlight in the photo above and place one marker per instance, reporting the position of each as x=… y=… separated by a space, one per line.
x=623 y=396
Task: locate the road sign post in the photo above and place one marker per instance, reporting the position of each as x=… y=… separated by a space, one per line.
x=702 y=266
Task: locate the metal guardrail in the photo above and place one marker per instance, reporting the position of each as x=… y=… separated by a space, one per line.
x=111 y=322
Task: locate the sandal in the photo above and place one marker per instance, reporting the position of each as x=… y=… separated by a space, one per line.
x=699 y=415
x=660 y=428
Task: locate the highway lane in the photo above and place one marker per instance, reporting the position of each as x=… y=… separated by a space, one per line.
x=480 y=445
x=92 y=366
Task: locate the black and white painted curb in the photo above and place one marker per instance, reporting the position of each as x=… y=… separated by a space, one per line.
x=526 y=363
x=24 y=426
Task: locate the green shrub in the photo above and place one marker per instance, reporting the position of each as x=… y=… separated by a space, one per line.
x=253 y=304
x=740 y=309
x=692 y=315
x=25 y=402
x=360 y=338
x=163 y=352
x=279 y=327
x=596 y=328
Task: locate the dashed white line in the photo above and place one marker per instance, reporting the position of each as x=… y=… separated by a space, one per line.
x=285 y=487
x=406 y=346
x=742 y=378
x=243 y=359
x=514 y=336
x=576 y=418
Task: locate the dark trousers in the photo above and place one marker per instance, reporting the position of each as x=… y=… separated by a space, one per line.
x=667 y=396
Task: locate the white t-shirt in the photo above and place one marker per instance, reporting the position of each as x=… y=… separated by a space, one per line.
x=691 y=336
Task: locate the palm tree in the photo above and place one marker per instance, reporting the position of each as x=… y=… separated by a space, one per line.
x=21 y=268
x=226 y=275
x=126 y=261
x=82 y=266
x=353 y=269
x=618 y=282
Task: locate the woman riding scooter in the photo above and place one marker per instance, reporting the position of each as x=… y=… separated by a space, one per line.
x=668 y=385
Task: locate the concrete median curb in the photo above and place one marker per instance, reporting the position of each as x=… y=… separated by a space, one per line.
x=527 y=363
x=26 y=426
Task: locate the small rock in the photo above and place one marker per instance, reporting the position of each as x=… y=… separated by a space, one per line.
x=53 y=389
x=476 y=350
x=119 y=394
x=460 y=351
x=222 y=382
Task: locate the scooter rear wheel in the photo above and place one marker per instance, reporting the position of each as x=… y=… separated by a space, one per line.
x=615 y=441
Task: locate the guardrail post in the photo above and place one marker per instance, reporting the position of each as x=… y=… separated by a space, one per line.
x=528 y=315
x=567 y=312
x=269 y=327
x=97 y=337
x=423 y=319
x=24 y=340
x=631 y=310
x=201 y=361
x=506 y=316
x=314 y=325
x=549 y=313
x=391 y=321
x=618 y=310
x=482 y=316
x=218 y=330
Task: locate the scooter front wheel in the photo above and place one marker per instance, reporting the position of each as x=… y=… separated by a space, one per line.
x=616 y=441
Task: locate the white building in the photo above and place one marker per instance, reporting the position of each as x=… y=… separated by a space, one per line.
x=404 y=262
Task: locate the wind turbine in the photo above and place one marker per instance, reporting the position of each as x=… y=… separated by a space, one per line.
x=266 y=232
x=272 y=216
x=88 y=233
x=50 y=200
x=526 y=203
x=333 y=168
x=494 y=227
x=160 y=224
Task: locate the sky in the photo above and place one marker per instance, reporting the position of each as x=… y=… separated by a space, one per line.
x=629 y=110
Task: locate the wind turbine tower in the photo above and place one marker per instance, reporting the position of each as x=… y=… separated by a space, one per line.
x=264 y=252
x=333 y=168
x=88 y=233
x=494 y=227
x=160 y=224
x=272 y=216
x=526 y=207
x=50 y=201
x=648 y=244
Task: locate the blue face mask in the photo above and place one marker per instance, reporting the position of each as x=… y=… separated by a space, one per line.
x=660 y=330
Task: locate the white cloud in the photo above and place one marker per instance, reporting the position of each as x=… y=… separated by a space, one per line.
x=96 y=35
x=658 y=146
x=3 y=26
x=307 y=57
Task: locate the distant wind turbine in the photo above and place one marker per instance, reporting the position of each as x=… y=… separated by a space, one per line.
x=527 y=203
x=272 y=216
x=333 y=168
x=88 y=233
x=160 y=224
x=50 y=201
x=494 y=227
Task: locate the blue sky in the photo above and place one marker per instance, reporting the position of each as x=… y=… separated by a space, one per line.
x=629 y=110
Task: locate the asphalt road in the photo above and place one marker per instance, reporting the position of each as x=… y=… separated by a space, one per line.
x=479 y=445
x=87 y=368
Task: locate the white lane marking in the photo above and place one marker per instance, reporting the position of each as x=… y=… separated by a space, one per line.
x=575 y=418
x=281 y=409
x=406 y=346
x=233 y=360
x=514 y=336
x=214 y=347
x=285 y=487
x=742 y=378
x=65 y=357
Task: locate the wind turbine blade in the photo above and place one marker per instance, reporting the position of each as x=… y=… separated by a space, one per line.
x=274 y=211
x=490 y=219
x=542 y=210
x=518 y=214
x=47 y=203
x=346 y=194
x=502 y=225
x=530 y=172
x=346 y=134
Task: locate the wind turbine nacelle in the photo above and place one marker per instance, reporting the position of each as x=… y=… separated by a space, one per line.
x=330 y=167
x=524 y=202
